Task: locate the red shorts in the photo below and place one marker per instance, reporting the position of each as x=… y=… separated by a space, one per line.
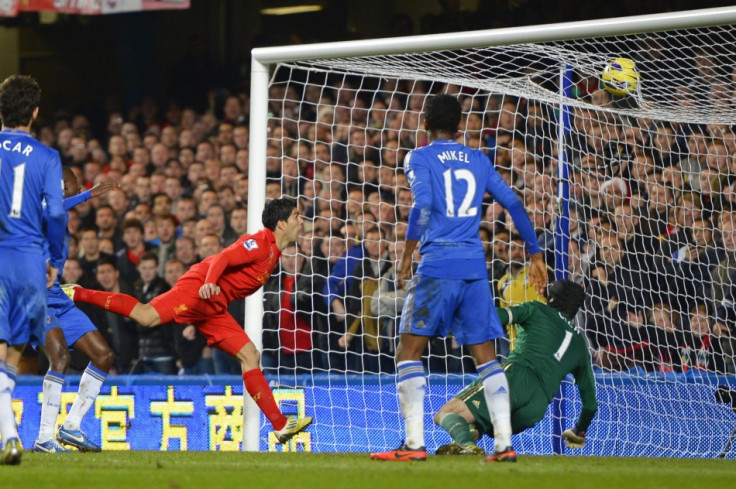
x=182 y=305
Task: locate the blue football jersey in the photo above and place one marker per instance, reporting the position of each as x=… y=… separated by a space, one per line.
x=30 y=174
x=448 y=181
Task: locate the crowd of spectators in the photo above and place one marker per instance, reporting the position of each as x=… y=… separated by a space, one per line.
x=653 y=230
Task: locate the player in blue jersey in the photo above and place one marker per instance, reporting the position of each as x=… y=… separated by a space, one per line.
x=30 y=173
x=67 y=325
x=450 y=290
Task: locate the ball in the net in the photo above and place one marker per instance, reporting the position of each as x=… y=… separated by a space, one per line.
x=620 y=77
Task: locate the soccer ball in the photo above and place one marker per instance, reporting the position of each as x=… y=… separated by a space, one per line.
x=620 y=77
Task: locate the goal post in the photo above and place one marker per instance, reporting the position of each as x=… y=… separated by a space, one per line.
x=628 y=169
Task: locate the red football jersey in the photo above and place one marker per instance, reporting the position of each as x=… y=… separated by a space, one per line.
x=241 y=268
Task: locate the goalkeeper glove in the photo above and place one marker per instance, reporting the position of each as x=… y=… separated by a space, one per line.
x=574 y=438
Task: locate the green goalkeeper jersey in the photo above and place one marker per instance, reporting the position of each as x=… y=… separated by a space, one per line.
x=548 y=344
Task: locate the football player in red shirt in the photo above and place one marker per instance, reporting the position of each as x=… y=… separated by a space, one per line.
x=201 y=296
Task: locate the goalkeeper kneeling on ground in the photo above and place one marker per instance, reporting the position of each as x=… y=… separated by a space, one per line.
x=548 y=348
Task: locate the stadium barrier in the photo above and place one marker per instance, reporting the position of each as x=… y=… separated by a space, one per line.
x=205 y=413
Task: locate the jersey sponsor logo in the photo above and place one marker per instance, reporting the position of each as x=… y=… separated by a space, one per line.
x=180 y=308
x=8 y=145
x=250 y=244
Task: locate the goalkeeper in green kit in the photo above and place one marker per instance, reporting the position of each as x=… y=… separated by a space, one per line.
x=548 y=347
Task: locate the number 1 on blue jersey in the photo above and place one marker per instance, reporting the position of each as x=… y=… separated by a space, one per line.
x=19 y=177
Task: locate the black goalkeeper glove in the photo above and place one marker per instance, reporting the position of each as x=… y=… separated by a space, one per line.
x=574 y=438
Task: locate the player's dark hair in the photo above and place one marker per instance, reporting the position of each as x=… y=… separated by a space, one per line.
x=67 y=172
x=19 y=97
x=277 y=210
x=443 y=113
x=69 y=177
x=566 y=296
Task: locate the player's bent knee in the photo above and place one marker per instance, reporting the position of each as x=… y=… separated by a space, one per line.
x=249 y=357
x=411 y=347
x=453 y=406
x=59 y=361
x=441 y=414
x=104 y=360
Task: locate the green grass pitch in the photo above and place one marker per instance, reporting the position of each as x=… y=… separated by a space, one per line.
x=212 y=470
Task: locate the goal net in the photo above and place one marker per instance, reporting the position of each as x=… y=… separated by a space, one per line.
x=652 y=227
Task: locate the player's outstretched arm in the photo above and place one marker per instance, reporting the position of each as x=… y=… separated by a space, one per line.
x=585 y=381
x=55 y=214
x=96 y=191
x=505 y=196
x=102 y=189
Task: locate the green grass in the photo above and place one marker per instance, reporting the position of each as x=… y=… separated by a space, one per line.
x=212 y=470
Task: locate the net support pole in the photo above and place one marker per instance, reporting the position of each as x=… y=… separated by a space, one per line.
x=259 y=77
x=562 y=227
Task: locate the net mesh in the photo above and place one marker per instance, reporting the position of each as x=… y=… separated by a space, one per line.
x=651 y=229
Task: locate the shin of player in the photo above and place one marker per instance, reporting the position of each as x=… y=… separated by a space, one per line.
x=8 y=430
x=93 y=345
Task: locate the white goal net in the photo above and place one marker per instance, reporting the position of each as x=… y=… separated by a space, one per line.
x=652 y=228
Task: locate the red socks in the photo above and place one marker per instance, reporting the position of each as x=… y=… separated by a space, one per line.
x=111 y=301
x=257 y=387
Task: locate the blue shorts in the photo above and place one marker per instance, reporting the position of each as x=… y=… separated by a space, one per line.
x=436 y=306
x=22 y=296
x=73 y=322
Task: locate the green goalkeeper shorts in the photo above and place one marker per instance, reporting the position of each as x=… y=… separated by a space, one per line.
x=528 y=401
